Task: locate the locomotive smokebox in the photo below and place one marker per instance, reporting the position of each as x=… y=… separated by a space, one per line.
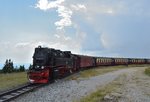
x=41 y=56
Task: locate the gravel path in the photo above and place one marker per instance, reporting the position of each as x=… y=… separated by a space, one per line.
x=70 y=90
x=136 y=87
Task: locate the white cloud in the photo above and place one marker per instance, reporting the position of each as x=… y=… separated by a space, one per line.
x=42 y=4
x=23 y=44
x=64 y=12
x=66 y=43
x=45 y=4
x=110 y=11
x=78 y=7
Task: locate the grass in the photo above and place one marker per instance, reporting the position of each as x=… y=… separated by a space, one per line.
x=103 y=70
x=147 y=71
x=95 y=71
x=139 y=65
x=11 y=80
x=98 y=95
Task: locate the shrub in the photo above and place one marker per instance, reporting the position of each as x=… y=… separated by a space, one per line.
x=147 y=71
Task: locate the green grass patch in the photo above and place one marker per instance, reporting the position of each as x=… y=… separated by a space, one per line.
x=95 y=71
x=147 y=71
x=139 y=65
x=98 y=71
x=11 y=80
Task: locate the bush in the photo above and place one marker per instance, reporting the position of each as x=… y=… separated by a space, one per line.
x=147 y=71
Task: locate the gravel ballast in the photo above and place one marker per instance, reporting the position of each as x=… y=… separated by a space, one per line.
x=70 y=90
x=136 y=87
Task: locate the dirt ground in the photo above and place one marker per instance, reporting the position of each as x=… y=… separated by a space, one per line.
x=135 y=87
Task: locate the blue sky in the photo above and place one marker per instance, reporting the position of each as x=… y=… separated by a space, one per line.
x=117 y=28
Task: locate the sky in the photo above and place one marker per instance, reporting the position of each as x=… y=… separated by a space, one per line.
x=110 y=28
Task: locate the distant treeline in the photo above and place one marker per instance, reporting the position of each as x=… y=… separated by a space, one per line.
x=9 y=67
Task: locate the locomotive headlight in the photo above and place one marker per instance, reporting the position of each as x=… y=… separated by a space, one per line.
x=31 y=81
x=42 y=67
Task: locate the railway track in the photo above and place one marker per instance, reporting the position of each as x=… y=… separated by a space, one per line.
x=13 y=93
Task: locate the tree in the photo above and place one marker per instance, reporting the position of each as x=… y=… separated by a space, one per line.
x=30 y=67
x=8 y=66
x=0 y=71
x=16 y=69
x=5 y=68
x=22 y=68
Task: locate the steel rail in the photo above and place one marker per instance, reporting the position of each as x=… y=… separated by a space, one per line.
x=13 y=93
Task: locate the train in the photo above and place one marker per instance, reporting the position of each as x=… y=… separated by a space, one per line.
x=50 y=64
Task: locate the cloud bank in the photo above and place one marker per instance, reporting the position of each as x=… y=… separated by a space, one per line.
x=104 y=24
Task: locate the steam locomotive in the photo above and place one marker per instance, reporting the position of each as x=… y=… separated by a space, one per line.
x=50 y=64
